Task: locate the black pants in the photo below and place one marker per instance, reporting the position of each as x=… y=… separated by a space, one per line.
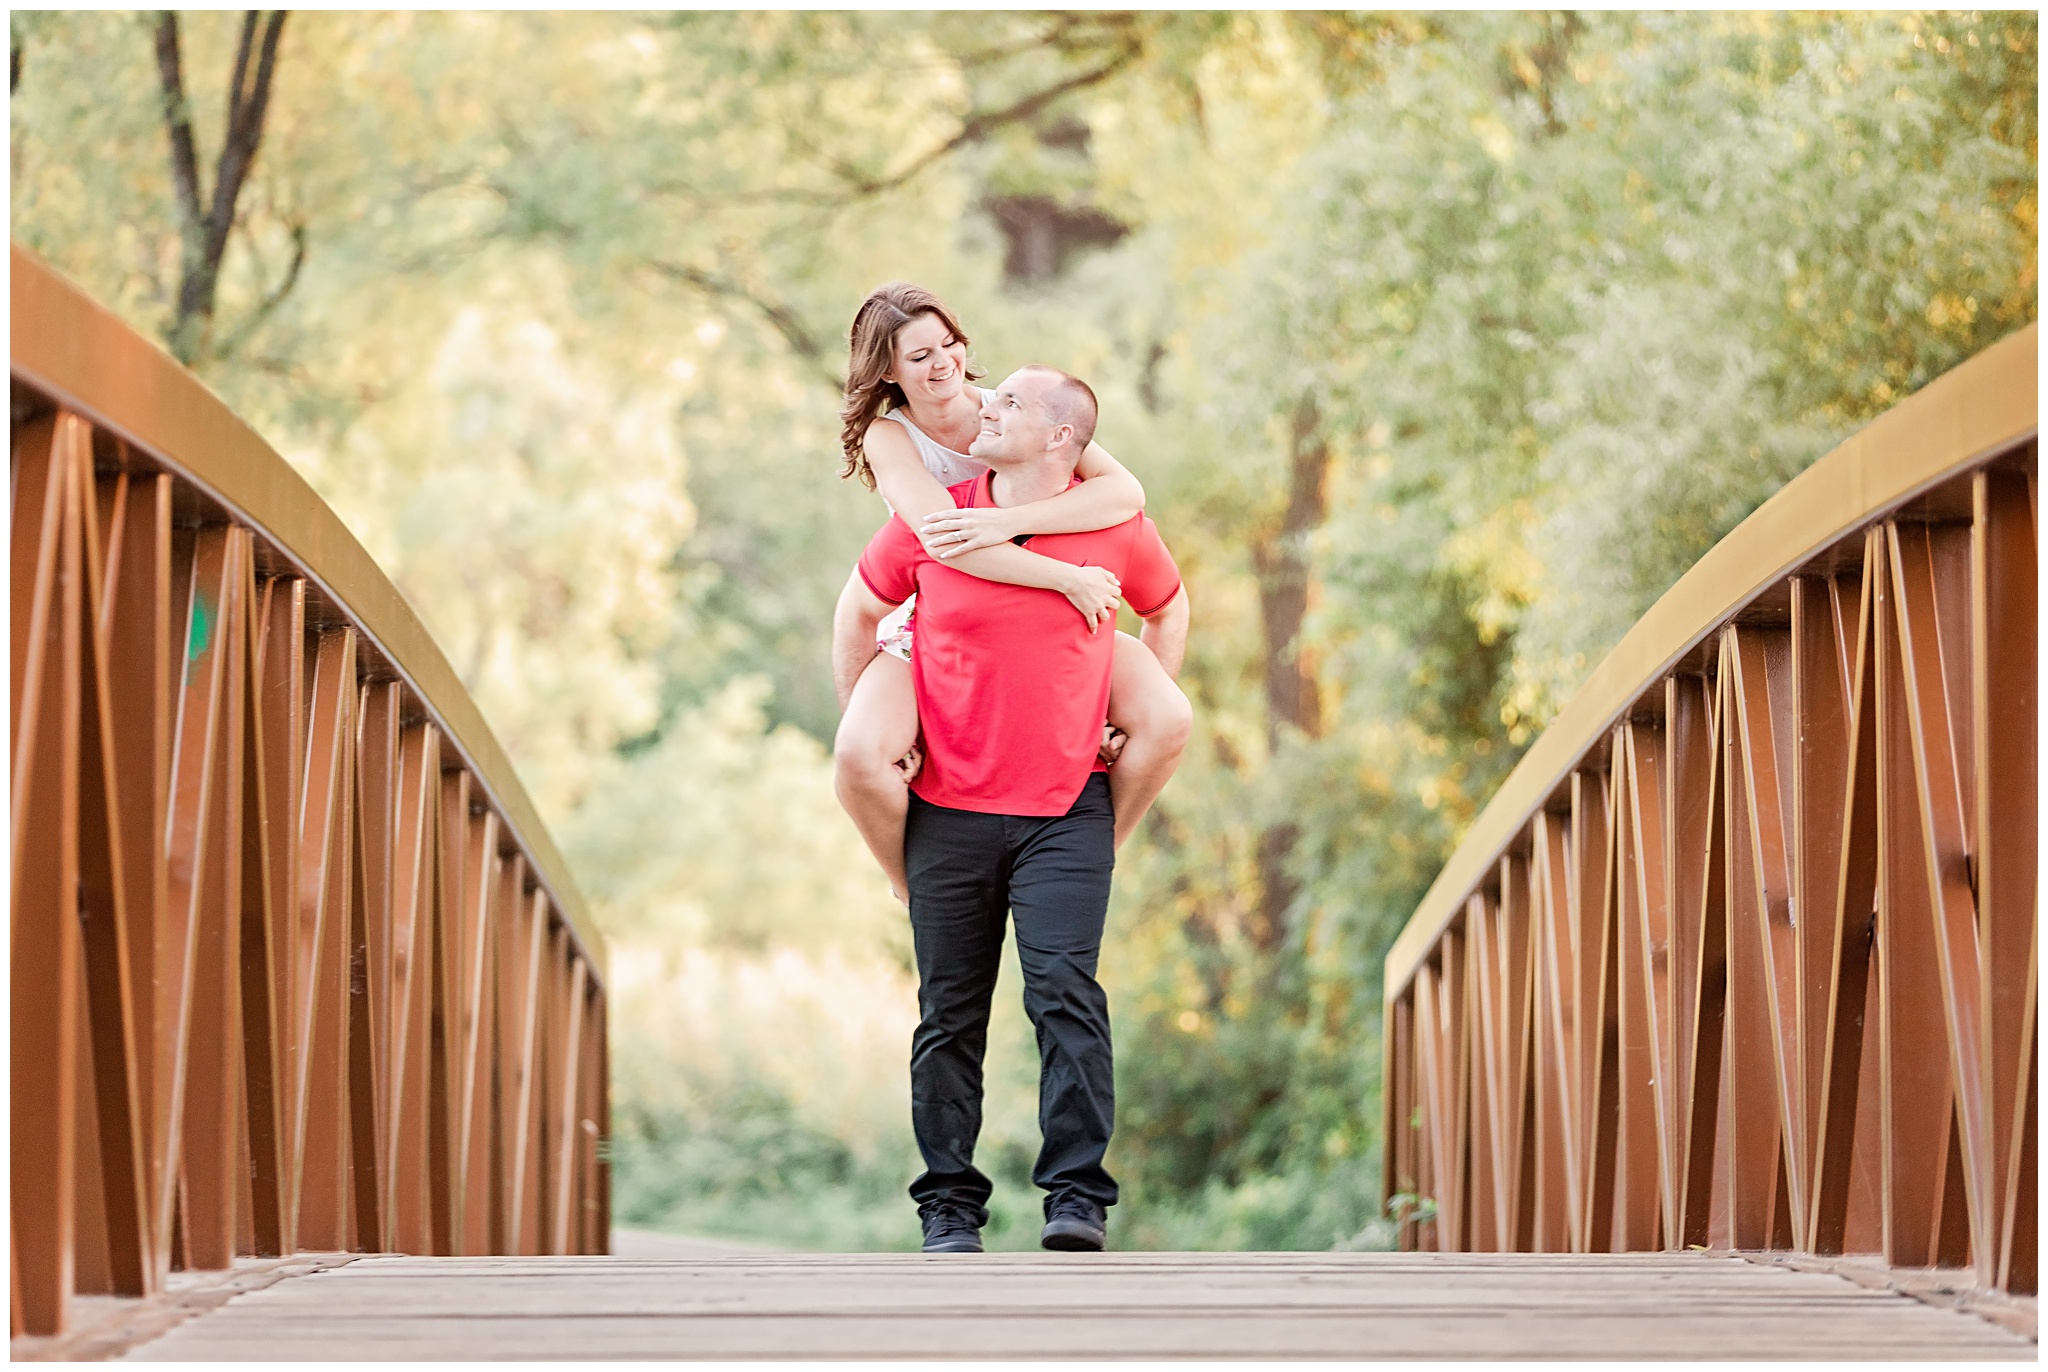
x=967 y=871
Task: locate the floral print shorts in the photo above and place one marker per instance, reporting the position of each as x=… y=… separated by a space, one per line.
x=893 y=634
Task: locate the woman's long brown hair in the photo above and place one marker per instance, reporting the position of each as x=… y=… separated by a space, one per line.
x=872 y=341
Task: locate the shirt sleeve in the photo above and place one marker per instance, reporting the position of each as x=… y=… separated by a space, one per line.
x=889 y=563
x=1149 y=576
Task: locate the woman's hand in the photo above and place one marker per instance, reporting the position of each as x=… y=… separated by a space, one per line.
x=1095 y=592
x=912 y=762
x=952 y=532
x=1113 y=741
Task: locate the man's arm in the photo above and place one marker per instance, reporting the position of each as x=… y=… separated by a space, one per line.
x=1165 y=632
x=854 y=620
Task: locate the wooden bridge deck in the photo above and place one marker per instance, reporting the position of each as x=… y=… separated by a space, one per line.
x=1116 y=1305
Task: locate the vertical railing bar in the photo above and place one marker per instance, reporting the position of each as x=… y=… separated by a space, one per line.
x=105 y=872
x=44 y=951
x=2004 y=700
x=572 y=1062
x=326 y=866
x=206 y=1156
x=258 y=979
x=1951 y=905
x=1853 y=929
x=186 y=844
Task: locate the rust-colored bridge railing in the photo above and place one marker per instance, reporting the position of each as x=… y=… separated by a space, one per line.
x=295 y=965
x=1743 y=953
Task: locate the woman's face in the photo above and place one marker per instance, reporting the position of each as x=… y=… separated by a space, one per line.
x=929 y=360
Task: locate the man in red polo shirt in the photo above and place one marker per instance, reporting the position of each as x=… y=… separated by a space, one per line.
x=1010 y=813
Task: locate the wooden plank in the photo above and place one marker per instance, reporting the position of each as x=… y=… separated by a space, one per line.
x=1755 y=886
x=115 y=1182
x=320 y=994
x=1762 y=912
x=1929 y=568
x=2004 y=700
x=601 y=1009
x=48 y=613
x=474 y=1047
x=1590 y=885
x=409 y=1095
x=1823 y=637
x=524 y=955
x=1914 y=1077
x=445 y=1153
x=1400 y=1125
x=1644 y=1204
x=261 y=1135
x=1113 y=1305
x=1846 y=1145
x=1488 y=1179
x=1518 y=934
x=381 y=704
x=1599 y=893
x=1556 y=1215
x=280 y=674
x=1692 y=817
x=138 y=623
x=570 y=1128
x=594 y=1219
x=365 y=1190
x=209 y=1145
x=1432 y=1155
x=194 y=812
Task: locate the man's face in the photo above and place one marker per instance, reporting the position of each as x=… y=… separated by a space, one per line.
x=1015 y=422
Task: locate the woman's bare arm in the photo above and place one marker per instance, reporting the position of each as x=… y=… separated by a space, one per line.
x=915 y=494
x=1107 y=496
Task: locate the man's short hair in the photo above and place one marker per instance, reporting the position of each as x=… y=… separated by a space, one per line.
x=1072 y=402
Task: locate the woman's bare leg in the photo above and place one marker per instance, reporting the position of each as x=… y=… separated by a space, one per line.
x=877 y=729
x=1150 y=709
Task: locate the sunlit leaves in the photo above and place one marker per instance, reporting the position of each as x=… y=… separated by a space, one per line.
x=1572 y=293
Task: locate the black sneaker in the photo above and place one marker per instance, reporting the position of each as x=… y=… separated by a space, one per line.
x=949 y=1227
x=1073 y=1224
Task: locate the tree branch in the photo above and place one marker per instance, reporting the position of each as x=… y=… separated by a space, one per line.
x=784 y=320
x=1062 y=25
x=979 y=126
x=178 y=119
x=854 y=187
x=239 y=82
x=272 y=298
x=246 y=108
x=205 y=233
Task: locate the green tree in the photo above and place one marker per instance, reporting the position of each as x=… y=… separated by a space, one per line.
x=1443 y=343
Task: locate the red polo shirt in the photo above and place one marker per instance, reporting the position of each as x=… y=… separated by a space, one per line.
x=1011 y=687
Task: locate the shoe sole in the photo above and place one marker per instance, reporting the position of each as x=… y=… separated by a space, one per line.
x=954 y=1246
x=1071 y=1236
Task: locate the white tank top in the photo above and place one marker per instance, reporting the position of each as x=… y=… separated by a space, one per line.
x=949 y=467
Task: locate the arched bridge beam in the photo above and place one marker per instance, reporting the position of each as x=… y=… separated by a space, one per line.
x=1742 y=953
x=295 y=964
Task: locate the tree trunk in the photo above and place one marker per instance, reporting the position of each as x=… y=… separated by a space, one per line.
x=1281 y=560
x=204 y=228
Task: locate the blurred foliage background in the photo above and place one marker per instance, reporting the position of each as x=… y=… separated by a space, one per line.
x=1443 y=344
